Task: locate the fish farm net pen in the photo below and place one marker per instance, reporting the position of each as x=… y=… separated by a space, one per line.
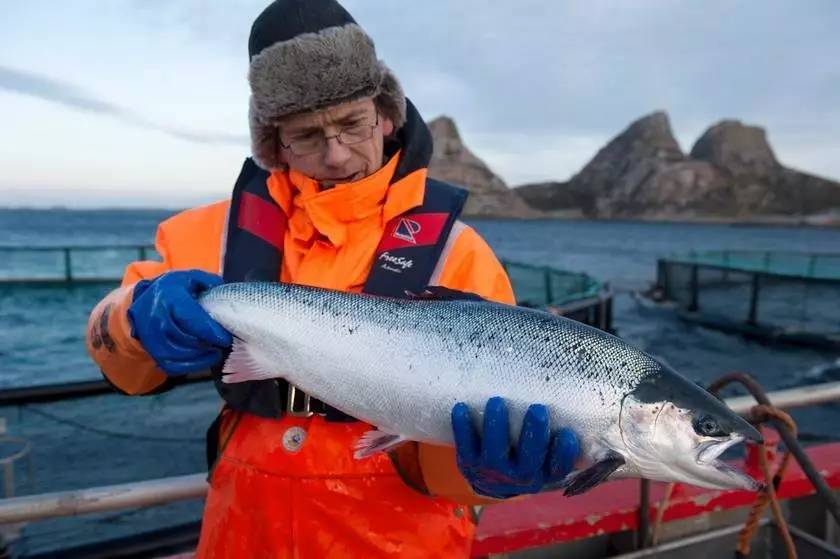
x=776 y=296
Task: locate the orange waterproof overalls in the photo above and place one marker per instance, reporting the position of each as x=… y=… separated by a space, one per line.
x=290 y=487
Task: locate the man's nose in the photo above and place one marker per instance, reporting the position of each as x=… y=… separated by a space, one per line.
x=336 y=154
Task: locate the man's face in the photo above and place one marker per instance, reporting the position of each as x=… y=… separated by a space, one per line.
x=335 y=162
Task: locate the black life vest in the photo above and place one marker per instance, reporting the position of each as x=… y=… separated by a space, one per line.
x=405 y=260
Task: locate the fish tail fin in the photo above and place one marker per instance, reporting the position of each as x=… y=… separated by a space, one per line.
x=245 y=363
x=376 y=441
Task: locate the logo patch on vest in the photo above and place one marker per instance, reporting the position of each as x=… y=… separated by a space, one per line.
x=406 y=229
x=393 y=263
x=412 y=231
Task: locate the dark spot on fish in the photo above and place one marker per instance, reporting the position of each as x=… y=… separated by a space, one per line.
x=350 y=330
x=547 y=378
x=547 y=339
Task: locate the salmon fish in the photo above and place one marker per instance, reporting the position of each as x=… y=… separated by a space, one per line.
x=401 y=364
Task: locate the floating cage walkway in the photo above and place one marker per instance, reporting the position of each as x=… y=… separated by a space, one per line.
x=571 y=294
x=63 y=265
x=773 y=296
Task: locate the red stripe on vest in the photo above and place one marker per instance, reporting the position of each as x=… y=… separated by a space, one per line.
x=263 y=219
x=412 y=230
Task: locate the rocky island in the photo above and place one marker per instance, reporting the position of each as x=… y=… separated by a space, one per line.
x=731 y=175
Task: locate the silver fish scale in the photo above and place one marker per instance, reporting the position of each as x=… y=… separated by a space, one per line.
x=402 y=364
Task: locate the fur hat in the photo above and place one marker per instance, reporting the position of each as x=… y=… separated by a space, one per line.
x=307 y=55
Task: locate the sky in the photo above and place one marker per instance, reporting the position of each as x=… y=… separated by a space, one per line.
x=144 y=102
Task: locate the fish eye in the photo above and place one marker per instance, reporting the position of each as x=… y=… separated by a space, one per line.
x=707 y=426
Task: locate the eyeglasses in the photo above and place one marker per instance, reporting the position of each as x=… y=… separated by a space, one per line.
x=315 y=142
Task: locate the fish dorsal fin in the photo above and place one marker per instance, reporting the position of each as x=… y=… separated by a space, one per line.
x=376 y=441
x=246 y=362
x=584 y=480
x=440 y=293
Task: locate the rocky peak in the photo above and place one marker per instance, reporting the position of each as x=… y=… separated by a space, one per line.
x=651 y=136
x=625 y=165
x=453 y=162
x=742 y=150
x=444 y=127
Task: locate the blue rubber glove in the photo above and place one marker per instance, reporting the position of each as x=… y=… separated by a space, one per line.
x=172 y=327
x=496 y=470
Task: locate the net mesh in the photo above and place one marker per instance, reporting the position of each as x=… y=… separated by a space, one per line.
x=788 y=293
x=538 y=286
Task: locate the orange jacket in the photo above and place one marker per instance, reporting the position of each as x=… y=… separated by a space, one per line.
x=330 y=242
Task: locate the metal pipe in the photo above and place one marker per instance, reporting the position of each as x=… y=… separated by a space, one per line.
x=549 y=292
x=68 y=266
x=98 y=499
x=695 y=290
x=754 y=289
x=791 y=398
x=801 y=534
x=676 y=545
x=644 y=514
x=73 y=390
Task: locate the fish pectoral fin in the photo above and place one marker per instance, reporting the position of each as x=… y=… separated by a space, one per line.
x=584 y=480
x=376 y=441
x=440 y=293
x=246 y=362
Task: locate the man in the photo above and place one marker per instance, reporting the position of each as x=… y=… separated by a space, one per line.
x=336 y=196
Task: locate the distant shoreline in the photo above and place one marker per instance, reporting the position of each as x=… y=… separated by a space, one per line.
x=815 y=222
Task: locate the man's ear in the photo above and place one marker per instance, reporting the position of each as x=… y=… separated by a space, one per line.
x=387 y=126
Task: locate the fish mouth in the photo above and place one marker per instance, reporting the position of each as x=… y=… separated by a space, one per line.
x=728 y=475
x=712 y=449
x=740 y=479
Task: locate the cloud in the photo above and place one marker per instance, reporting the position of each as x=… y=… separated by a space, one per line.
x=535 y=86
x=47 y=89
x=72 y=97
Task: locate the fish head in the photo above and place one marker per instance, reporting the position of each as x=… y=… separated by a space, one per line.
x=674 y=430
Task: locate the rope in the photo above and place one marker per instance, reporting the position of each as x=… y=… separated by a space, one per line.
x=107 y=433
x=761 y=413
x=660 y=512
